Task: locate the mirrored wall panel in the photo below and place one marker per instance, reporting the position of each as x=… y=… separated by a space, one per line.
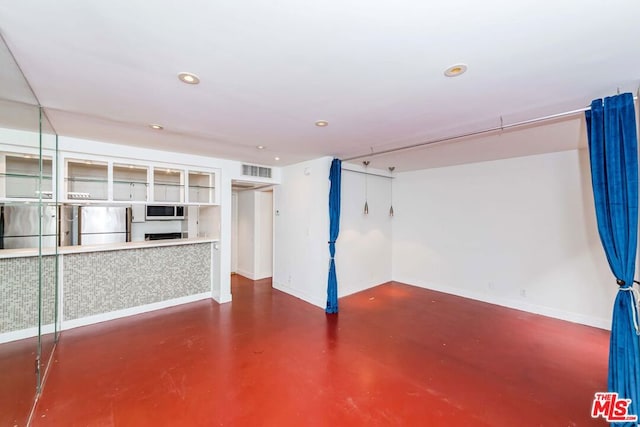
x=28 y=254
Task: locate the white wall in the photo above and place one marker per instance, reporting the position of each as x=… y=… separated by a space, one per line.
x=363 y=248
x=222 y=255
x=518 y=232
x=234 y=232
x=205 y=223
x=264 y=234
x=301 y=231
x=246 y=234
x=255 y=234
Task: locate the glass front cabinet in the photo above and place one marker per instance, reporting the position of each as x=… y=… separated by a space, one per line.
x=24 y=177
x=86 y=180
x=130 y=183
x=201 y=187
x=20 y=176
x=168 y=185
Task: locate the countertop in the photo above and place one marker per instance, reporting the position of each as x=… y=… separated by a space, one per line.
x=63 y=250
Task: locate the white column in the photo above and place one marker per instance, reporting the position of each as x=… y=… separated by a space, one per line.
x=222 y=277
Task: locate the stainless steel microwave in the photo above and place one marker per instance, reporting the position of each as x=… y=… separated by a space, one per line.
x=164 y=212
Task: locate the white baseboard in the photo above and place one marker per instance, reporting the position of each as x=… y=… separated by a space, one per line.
x=222 y=299
x=249 y=275
x=84 y=321
x=25 y=333
x=510 y=303
x=318 y=302
x=351 y=290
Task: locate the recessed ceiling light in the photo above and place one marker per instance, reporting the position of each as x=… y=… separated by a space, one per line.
x=261 y=147
x=455 y=70
x=156 y=126
x=189 y=78
x=276 y=158
x=322 y=123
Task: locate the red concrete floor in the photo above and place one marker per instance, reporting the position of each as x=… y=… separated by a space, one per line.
x=18 y=378
x=396 y=355
x=17 y=381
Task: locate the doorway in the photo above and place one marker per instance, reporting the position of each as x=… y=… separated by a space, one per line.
x=252 y=230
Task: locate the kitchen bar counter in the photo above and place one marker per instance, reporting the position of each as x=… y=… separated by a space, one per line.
x=103 y=282
x=63 y=250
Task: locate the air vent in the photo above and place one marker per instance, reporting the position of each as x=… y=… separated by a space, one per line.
x=250 y=170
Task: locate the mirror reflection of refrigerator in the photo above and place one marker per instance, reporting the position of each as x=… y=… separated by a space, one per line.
x=94 y=225
x=20 y=226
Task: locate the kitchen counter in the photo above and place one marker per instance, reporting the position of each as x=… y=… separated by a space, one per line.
x=103 y=282
x=63 y=250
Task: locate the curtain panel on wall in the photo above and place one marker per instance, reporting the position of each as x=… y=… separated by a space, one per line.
x=335 y=177
x=613 y=152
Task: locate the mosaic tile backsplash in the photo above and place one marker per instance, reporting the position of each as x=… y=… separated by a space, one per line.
x=19 y=292
x=101 y=282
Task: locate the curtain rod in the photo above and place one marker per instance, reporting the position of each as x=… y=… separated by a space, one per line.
x=479 y=132
x=367 y=173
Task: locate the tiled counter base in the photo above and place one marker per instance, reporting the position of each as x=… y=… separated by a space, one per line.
x=101 y=283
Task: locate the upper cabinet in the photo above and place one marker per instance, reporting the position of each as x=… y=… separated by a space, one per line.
x=168 y=185
x=97 y=179
x=86 y=180
x=20 y=176
x=130 y=183
x=201 y=187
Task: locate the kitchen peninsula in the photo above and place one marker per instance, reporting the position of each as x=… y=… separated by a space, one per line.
x=103 y=282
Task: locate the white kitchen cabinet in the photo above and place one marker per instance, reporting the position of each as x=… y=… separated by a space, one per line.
x=20 y=176
x=86 y=180
x=168 y=185
x=138 y=213
x=201 y=187
x=130 y=183
x=104 y=179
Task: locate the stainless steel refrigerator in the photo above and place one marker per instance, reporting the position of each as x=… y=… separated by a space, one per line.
x=103 y=224
x=20 y=226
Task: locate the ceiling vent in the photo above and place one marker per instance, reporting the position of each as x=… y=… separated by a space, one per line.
x=259 y=171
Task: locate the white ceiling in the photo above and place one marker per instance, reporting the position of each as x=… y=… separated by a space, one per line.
x=269 y=70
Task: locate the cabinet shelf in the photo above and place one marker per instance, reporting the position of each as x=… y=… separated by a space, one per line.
x=26 y=186
x=201 y=188
x=130 y=183
x=125 y=181
x=86 y=180
x=130 y=190
x=20 y=177
x=86 y=188
x=168 y=185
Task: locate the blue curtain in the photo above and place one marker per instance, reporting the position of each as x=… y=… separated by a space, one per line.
x=335 y=176
x=613 y=150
